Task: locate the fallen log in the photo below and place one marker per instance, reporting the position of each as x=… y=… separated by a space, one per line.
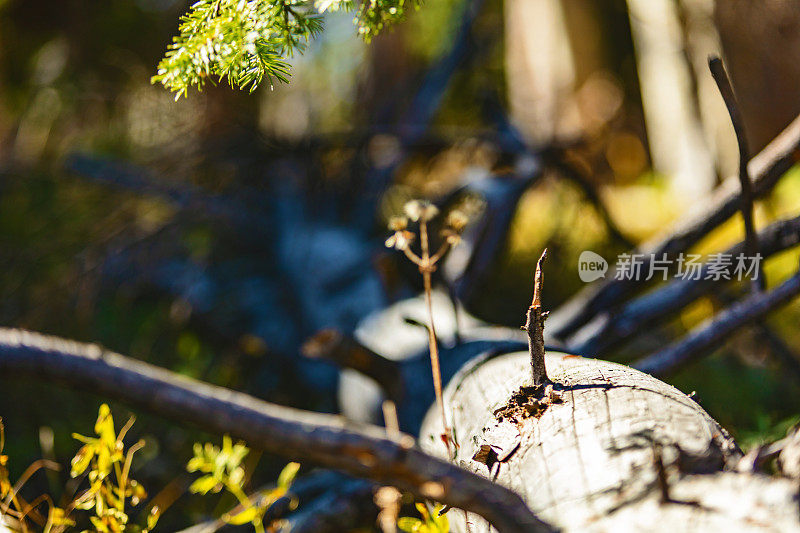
x=609 y=449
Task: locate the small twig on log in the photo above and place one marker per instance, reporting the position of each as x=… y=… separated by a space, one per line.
x=324 y=439
x=534 y=325
x=708 y=336
x=765 y=168
x=746 y=201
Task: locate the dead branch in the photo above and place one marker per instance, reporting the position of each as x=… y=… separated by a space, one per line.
x=766 y=168
x=746 y=207
x=709 y=335
x=657 y=306
x=324 y=439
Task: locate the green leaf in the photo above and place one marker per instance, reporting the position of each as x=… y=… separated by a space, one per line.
x=104 y=427
x=204 y=484
x=409 y=524
x=245 y=517
x=287 y=475
x=422 y=510
x=153 y=516
x=82 y=460
x=440 y=521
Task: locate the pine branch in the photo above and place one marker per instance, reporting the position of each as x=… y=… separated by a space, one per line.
x=249 y=41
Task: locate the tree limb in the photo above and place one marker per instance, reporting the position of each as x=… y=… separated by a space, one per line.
x=653 y=307
x=746 y=206
x=325 y=439
x=766 y=168
x=706 y=337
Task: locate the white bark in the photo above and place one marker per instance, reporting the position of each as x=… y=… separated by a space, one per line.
x=587 y=464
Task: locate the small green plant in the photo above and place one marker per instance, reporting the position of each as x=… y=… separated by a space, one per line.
x=106 y=463
x=111 y=487
x=248 y=41
x=112 y=491
x=222 y=470
x=434 y=522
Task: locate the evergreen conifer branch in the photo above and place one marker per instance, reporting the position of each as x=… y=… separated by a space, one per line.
x=249 y=41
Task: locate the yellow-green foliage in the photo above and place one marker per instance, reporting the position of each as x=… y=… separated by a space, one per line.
x=222 y=469
x=106 y=464
x=428 y=523
x=111 y=488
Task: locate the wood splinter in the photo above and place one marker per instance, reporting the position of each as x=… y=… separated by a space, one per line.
x=534 y=325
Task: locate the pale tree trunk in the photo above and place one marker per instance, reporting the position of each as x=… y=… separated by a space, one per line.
x=674 y=131
x=702 y=41
x=539 y=68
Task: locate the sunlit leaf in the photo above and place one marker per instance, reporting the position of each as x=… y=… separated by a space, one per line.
x=82 y=460
x=153 y=516
x=204 y=484
x=409 y=524
x=58 y=517
x=245 y=517
x=287 y=475
x=104 y=427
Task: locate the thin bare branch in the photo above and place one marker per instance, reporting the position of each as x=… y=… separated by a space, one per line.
x=659 y=305
x=426 y=269
x=766 y=168
x=708 y=336
x=746 y=202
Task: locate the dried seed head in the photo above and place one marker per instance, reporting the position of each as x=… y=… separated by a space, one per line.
x=457 y=220
x=398 y=223
x=420 y=210
x=400 y=240
x=452 y=237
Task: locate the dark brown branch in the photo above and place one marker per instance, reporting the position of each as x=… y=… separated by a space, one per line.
x=534 y=325
x=576 y=175
x=746 y=201
x=708 y=336
x=655 y=307
x=324 y=439
x=347 y=352
x=766 y=168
